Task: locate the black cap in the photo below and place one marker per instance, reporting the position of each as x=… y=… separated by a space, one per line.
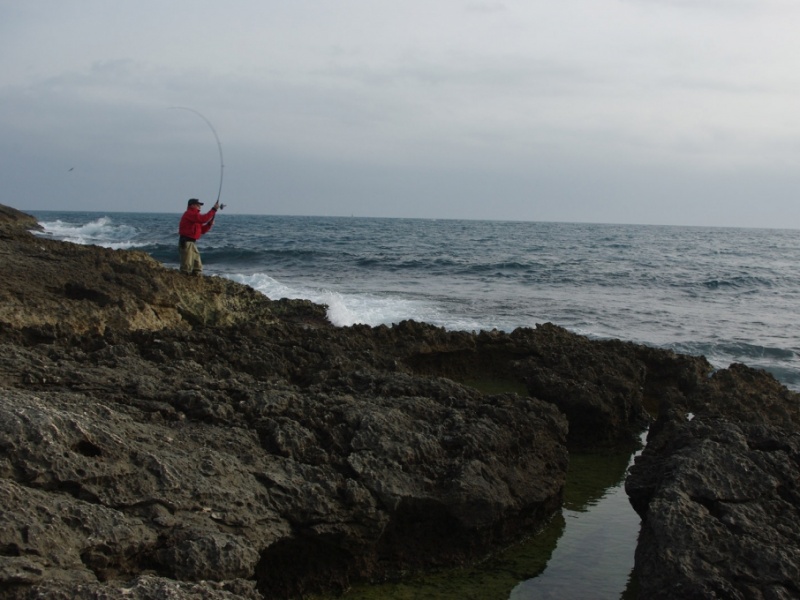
x=194 y=201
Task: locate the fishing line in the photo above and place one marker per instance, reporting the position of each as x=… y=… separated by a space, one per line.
x=216 y=137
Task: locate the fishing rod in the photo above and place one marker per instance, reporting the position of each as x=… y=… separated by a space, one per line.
x=219 y=146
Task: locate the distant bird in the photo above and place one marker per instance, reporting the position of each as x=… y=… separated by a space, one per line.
x=71 y=168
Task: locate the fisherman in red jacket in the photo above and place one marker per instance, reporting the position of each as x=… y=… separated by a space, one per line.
x=193 y=225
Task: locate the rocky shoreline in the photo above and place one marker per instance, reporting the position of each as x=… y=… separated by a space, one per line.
x=169 y=436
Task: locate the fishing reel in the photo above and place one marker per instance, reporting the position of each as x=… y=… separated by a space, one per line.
x=221 y=206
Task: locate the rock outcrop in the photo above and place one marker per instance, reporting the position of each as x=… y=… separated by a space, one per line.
x=173 y=436
x=157 y=429
x=718 y=490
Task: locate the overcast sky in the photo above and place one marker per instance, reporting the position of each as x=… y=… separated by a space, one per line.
x=616 y=111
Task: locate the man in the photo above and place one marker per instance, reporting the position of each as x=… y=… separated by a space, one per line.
x=193 y=225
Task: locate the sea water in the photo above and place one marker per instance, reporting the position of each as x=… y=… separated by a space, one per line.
x=728 y=294
x=584 y=553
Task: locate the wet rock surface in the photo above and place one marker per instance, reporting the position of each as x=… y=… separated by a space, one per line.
x=172 y=436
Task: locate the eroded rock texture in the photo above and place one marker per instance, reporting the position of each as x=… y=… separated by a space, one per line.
x=181 y=437
x=718 y=489
x=157 y=429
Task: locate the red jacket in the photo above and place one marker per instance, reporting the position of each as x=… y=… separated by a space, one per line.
x=193 y=224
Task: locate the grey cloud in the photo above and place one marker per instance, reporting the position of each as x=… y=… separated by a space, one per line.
x=482 y=109
x=487 y=7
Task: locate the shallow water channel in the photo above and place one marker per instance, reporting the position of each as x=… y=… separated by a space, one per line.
x=586 y=552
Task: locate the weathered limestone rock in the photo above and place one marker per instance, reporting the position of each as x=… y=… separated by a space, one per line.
x=53 y=289
x=602 y=387
x=173 y=436
x=156 y=428
x=719 y=493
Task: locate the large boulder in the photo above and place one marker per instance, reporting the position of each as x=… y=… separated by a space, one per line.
x=718 y=490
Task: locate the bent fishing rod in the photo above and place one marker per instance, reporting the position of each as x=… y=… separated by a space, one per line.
x=219 y=147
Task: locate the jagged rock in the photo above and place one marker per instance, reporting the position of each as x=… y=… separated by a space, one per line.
x=194 y=430
x=602 y=387
x=145 y=587
x=52 y=289
x=719 y=493
x=173 y=436
x=14 y=222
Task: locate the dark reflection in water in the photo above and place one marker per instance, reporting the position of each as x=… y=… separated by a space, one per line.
x=584 y=552
x=594 y=556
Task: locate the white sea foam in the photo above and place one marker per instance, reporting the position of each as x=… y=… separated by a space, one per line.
x=347 y=309
x=730 y=295
x=338 y=312
x=100 y=232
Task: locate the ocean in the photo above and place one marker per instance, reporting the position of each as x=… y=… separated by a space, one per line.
x=727 y=294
